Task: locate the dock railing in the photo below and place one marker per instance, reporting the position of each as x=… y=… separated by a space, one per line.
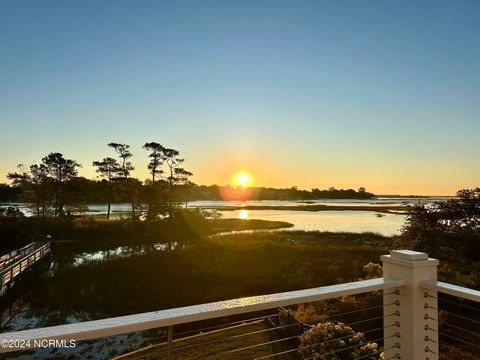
x=409 y=315
x=20 y=260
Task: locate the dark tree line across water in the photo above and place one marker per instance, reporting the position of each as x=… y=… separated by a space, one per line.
x=94 y=191
x=214 y=192
x=53 y=187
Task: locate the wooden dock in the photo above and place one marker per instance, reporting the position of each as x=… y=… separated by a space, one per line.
x=20 y=260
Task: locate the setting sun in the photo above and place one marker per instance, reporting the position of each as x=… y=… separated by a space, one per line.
x=242 y=179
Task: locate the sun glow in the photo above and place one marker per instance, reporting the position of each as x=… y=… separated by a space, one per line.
x=239 y=189
x=243 y=214
x=242 y=179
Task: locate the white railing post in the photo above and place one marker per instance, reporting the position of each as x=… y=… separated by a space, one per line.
x=410 y=326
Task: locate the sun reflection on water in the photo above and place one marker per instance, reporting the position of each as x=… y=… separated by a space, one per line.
x=243 y=214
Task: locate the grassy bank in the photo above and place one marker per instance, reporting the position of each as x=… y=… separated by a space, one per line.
x=257 y=263
x=92 y=234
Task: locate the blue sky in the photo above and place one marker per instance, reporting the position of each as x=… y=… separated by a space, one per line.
x=381 y=94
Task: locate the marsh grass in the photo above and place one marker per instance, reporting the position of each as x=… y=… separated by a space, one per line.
x=90 y=234
x=216 y=268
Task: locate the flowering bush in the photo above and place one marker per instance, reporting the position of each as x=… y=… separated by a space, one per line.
x=372 y=271
x=329 y=341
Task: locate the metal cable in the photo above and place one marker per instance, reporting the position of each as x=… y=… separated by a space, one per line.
x=463 y=317
x=475 y=334
x=341 y=338
x=240 y=322
x=356 y=311
x=458 y=304
x=308 y=346
x=352 y=347
x=258 y=345
x=276 y=354
x=251 y=321
x=430 y=328
x=238 y=336
x=460 y=340
x=391 y=325
x=371 y=319
x=392 y=303
x=391 y=357
x=391 y=347
x=364 y=357
x=292 y=350
x=395 y=292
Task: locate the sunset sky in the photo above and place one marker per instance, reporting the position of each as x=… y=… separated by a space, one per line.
x=380 y=94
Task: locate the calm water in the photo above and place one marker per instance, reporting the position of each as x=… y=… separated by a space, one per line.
x=397 y=201
x=335 y=221
x=124 y=209
x=351 y=221
x=120 y=251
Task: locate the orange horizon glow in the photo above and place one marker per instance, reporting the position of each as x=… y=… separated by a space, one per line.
x=240 y=187
x=382 y=178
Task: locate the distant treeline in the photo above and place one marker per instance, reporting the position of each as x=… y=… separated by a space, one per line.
x=9 y=193
x=84 y=190
x=53 y=188
x=215 y=192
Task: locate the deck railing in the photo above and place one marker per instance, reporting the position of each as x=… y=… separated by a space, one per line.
x=409 y=321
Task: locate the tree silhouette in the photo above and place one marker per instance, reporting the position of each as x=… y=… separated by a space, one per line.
x=123 y=173
x=157 y=157
x=176 y=174
x=153 y=188
x=41 y=186
x=123 y=151
x=60 y=171
x=34 y=185
x=108 y=169
x=38 y=180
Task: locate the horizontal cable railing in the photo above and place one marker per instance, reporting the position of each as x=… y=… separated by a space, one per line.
x=406 y=315
x=168 y=318
x=454 y=290
x=275 y=336
x=458 y=320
